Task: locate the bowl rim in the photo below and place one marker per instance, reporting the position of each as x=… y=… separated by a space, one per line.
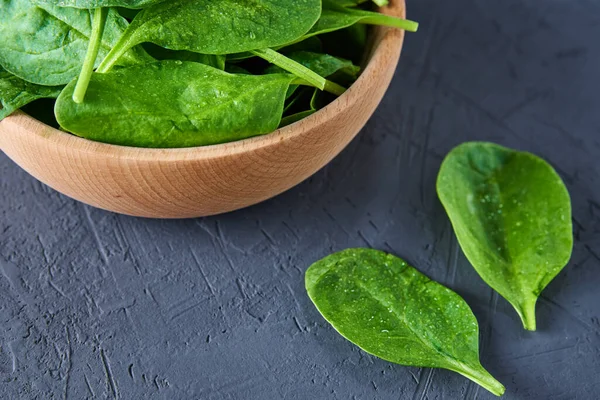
x=387 y=50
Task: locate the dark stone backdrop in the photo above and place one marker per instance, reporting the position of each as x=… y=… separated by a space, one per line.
x=97 y=305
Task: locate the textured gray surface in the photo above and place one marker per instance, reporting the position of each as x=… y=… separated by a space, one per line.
x=97 y=305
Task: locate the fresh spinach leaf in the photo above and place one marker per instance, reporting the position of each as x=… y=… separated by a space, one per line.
x=323 y=64
x=305 y=75
x=353 y=3
x=349 y=3
x=312 y=43
x=91 y=4
x=511 y=213
x=291 y=119
x=174 y=104
x=46 y=44
x=16 y=93
x=218 y=27
x=391 y=310
x=287 y=64
x=315 y=104
x=301 y=105
x=297 y=100
x=160 y=53
x=236 y=69
x=335 y=17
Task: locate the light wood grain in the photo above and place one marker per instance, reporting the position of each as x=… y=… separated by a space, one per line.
x=200 y=181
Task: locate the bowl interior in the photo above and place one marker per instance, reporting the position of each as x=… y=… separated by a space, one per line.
x=375 y=40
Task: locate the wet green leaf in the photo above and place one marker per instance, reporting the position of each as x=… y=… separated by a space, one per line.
x=511 y=213
x=46 y=44
x=353 y=3
x=90 y=4
x=207 y=26
x=174 y=104
x=391 y=310
x=335 y=17
x=160 y=53
x=16 y=93
x=323 y=64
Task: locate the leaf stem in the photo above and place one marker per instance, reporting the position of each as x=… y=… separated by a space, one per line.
x=334 y=88
x=481 y=377
x=119 y=49
x=388 y=20
x=527 y=313
x=305 y=75
x=83 y=82
x=330 y=86
x=292 y=66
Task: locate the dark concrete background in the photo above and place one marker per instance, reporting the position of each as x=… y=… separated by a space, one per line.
x=97 y=305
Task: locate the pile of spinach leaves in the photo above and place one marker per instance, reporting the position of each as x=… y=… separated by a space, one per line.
x=181 y=73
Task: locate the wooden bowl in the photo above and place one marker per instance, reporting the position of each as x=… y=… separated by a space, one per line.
x=200 y=181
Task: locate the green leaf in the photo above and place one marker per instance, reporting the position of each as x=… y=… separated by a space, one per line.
x=16 y=93
x=391 y=310
x=348 y=3
x=300 y=105
x=174 y=104
x=323 y=64
x=236 y=69
x=287 y=64
x=354 y=3
x=314 y=101
x=511 y=213
x=205 y=26
x=296 y=100
x=46 y=45
x=160 y=53
x=335 y=17
x=290 y=119
x=306 y=75
x=312 y=43
x=91 y=4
